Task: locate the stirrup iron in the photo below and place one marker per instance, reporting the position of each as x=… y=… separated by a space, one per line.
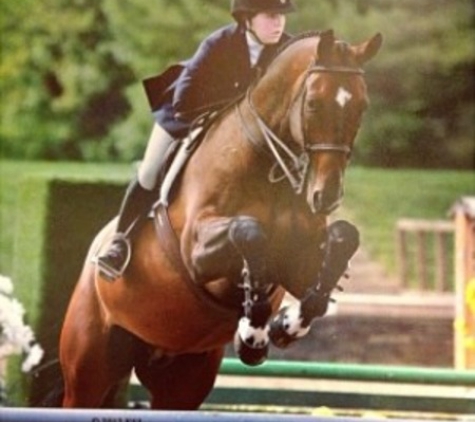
x=106 y=271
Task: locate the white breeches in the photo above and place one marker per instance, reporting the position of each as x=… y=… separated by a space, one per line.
x=154 y=158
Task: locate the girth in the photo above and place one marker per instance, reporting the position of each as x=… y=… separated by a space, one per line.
x=171 y=246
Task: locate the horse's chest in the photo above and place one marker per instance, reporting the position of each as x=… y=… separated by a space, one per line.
x=294 y=227
x=294 y=244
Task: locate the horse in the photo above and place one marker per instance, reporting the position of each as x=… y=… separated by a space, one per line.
x=248 y=222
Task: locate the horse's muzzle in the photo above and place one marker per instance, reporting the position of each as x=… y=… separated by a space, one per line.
x=326 y=199
x=321 y=204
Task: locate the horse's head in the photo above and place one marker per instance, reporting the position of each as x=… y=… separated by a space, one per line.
x=329 y=102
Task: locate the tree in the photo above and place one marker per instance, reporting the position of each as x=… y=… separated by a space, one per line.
x=422 y=84
x=71 y=73
x=62 y=78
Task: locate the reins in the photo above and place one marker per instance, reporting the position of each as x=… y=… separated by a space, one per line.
x=294 y=166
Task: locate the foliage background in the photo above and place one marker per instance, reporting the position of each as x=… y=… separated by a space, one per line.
x=70 y=89
x=71 y=71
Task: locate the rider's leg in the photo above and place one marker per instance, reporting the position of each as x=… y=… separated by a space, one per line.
x=137 y=201
x=154 y=158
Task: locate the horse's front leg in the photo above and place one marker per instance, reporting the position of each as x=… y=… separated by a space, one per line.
x=292 y=323
x=235 y=248
x=252 y=337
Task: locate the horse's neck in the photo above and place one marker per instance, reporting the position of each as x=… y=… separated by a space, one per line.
x=274 y=93
x=271 y=99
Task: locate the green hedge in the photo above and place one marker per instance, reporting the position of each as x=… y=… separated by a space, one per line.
x=55 y=223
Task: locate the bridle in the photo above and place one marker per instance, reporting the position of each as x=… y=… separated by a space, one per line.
x=293 y=166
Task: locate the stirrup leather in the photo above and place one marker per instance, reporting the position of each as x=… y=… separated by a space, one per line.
x=105 y=270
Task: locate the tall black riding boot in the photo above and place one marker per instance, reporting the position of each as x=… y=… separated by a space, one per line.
x=135 y=206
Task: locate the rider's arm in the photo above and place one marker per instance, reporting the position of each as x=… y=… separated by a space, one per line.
x=211 y=76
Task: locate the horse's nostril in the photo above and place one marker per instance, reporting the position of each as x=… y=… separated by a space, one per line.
x=325 y=201
x=315 y=201
x=317 y=197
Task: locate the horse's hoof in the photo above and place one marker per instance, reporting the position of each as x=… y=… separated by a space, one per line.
x=251 y=356
x=287 y=327
x=278 y=335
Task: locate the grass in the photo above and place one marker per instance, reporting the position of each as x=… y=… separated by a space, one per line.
x=11 y=174
x=375 y=199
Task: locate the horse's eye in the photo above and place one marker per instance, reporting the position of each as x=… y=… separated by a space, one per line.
x=313 y=105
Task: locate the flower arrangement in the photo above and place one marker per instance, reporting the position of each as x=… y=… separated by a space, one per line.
x=15 y=336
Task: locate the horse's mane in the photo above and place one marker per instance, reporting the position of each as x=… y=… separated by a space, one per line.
x=341 y=45
x=294 y=39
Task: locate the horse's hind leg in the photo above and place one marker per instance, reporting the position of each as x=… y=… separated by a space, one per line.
x=94 y=357
x=183 y=383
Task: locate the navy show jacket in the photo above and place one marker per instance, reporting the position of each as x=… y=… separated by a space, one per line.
x=219 y=72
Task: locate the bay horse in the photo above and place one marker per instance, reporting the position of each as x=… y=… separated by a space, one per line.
x=247 y=223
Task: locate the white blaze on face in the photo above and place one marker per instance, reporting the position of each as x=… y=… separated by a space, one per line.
x=342 y=97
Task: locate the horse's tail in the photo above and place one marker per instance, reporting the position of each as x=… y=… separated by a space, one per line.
x=47 y=385
x=54 y=397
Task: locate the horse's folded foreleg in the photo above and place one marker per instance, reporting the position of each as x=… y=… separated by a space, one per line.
x=293 y=323
x=236 y=248
x=252 y=336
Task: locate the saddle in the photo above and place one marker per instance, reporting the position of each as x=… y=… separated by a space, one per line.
x=183 y=149
x=179 y=154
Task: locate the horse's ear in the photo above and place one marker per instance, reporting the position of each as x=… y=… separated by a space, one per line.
x=325 y=46
x=367 y=50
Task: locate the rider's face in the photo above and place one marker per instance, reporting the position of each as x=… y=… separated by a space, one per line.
x=268 y=26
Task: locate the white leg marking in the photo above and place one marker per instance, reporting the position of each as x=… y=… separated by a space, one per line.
x=342 y=97
x=293 y=322
x=254 y=337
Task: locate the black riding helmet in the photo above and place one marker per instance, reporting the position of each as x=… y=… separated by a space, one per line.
x=241 y=9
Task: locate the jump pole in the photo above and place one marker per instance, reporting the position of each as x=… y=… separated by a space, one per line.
x=351 y=372
x=91 y=415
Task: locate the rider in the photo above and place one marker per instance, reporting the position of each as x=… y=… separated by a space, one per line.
x=222 y=68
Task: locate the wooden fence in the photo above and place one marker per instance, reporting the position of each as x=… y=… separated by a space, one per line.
x=430 y=243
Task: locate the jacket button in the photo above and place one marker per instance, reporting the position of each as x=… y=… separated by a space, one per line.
x=236 y=84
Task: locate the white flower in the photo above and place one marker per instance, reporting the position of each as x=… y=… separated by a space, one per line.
x=7 y=349
x=15 y=336
x=35 y=354
x=6 y=285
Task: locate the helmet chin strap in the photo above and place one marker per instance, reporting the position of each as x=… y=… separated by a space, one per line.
x=253 y=33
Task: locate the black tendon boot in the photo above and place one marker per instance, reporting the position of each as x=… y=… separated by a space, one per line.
x=135 y=206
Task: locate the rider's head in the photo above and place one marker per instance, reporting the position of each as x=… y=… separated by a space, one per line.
x=265 y=19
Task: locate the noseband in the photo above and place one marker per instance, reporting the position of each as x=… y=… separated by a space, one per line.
x=292 y=166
